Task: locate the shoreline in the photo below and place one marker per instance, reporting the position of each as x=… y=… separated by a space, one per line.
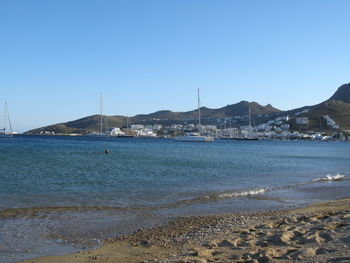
x=173 y=137
x=320 y=231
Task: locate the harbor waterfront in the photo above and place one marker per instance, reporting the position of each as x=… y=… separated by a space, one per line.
x=61 y=194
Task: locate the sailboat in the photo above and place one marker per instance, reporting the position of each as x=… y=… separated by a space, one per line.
x=99 y=134
x=3 y=133
x=194 y=136
x=251 y=136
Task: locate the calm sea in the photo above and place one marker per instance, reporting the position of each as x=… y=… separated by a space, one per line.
x=78 y=195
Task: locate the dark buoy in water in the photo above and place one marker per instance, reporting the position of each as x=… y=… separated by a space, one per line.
x=106 y=151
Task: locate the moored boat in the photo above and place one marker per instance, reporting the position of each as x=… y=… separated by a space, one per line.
x=99 y=134
x=194 y=137
x=3 y=132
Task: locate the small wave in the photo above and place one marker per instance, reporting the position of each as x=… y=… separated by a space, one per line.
x=330 y=177
x=243 y=193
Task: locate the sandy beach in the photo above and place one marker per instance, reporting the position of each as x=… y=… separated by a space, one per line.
x=317 y=233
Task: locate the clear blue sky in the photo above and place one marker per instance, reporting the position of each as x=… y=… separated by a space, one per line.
x=57 y=56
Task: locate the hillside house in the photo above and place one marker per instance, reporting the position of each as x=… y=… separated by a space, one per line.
x=302 y=121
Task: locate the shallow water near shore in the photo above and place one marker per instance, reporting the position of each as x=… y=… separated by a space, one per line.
x=66 y=195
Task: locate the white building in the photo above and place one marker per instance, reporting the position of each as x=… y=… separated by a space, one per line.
x=189 y=127
x=209 y=127
x=262 y=127
x=302 y=120
x=116 y=132
x=176 y=126
x=136 y=127
x=330 y=122
x=146 y=133
x=296 y=135
x=157 y=127
x=248 y=129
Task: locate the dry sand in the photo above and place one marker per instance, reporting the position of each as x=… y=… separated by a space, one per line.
x=318 y=233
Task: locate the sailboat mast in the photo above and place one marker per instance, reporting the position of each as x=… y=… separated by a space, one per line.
x=4 y=118
x=101 y=113
x=8 y=116
x=199 y=110
x=250 y=121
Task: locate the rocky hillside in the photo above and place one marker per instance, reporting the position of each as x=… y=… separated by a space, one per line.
x=337 y=107
x=83 y=126
x=165 y=117
x=342 y=94
x=208 y=116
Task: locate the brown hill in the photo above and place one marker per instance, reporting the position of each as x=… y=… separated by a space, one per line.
x=165 y=117
x=83 y=126
x=208 y=116
x=337 y=107
x=342 y=94
x=338 y=110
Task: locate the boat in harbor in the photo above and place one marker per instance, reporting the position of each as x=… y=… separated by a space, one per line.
x=195 y=136
x=3 y=132
x=252 y=135
x=101 y=133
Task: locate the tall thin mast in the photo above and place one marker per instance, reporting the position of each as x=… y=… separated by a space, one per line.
x=5 y=118
x=199 y=110
x=250 y=122
x=101 y=113
x=8 y=116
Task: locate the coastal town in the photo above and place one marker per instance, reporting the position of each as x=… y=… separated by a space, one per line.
x=282 y=128
x=326 y=121
x=273 y=129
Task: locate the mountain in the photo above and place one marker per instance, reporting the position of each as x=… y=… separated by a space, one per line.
x=336 y=107
x=164 y=117
x=338 y=110
x=208 y=116
x=92 y=123
x=82 y=126
x=342 y=94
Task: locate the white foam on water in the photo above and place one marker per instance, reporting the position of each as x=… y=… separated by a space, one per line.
x=243 y=193
x=330 y=177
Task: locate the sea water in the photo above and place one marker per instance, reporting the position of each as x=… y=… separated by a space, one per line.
x=62 y=194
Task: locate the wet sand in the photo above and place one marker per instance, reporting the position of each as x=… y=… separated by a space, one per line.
x=317 y=233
